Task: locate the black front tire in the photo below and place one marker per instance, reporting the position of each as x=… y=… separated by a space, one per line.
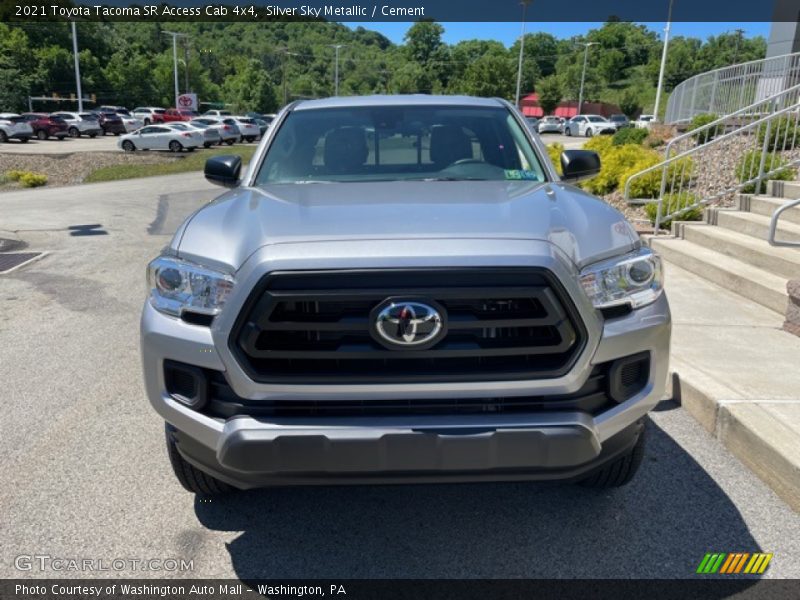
x=229 y=142
x=4 y=137
x=621 y=470
x=74 y=133
x=41 y=135
x=589 y=133
x=128 y=146
x=191 y=478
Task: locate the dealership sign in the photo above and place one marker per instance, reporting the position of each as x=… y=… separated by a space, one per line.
x=187 y=101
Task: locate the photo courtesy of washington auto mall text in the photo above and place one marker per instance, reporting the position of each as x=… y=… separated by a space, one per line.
x=399 y=299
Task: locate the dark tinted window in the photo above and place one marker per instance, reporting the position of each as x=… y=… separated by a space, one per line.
x=400 y=143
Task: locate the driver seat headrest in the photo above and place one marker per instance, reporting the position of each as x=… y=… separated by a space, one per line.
x=449 y=143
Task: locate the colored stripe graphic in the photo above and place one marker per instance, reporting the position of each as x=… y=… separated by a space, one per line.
x=735 y=562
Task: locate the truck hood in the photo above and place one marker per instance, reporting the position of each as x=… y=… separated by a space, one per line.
x=232 y=227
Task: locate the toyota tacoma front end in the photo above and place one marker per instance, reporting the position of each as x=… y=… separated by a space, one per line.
x=404 y=289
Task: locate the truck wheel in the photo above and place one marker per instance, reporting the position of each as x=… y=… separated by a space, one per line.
x=73 y=132
x=41 y=135
x=192 y=479
x=175 y=146
x=619 y=471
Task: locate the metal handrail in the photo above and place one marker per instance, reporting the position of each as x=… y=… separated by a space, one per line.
x=726 y=89
x=755 y=177
x=773 y=225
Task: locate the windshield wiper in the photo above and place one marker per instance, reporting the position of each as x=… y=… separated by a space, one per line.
x=451 y=179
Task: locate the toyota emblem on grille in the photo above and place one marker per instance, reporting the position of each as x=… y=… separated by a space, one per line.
x=408 y=323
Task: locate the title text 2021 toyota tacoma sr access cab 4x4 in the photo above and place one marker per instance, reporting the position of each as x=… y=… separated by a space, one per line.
x=404 y=289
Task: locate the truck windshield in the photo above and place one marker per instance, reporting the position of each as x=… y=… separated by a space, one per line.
x=396 y=143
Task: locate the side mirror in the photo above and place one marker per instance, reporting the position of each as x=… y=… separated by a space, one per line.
x=577 y=165
x=224 y=170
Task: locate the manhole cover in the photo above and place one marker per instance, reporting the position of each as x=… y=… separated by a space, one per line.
x=12 y=260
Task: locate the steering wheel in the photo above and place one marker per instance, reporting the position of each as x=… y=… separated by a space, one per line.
x=466 y=161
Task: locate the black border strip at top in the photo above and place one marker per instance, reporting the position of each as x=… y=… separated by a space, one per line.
x=408 y=10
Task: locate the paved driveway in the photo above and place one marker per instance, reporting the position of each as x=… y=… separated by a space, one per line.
x=85 y=473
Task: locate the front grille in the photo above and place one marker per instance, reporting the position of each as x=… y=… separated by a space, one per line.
x=314 y=327
x=593 y=398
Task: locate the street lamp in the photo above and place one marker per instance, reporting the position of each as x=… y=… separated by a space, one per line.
x=336 y=70
x=285 y=52
x=583 y=74
x=175 y=37
x=663 y=62
x=524 y=4
x=77 y=66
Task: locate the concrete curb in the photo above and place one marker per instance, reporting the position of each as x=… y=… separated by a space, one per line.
x=765 y=442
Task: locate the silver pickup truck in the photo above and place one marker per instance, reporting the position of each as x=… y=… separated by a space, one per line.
x=403 y=289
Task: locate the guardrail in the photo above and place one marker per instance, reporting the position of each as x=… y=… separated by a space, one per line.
x=733 y=153
x=727 y=90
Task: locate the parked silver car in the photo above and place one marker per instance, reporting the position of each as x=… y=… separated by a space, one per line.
x=162 y=137
x=226 y=126
x=211 y=135
x=589 y=125
x=14 y=127
x=551 y=125
x=402 y=288
x=81 y=124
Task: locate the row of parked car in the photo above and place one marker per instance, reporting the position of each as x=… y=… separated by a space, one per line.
x=586 y=125
x=143 y=128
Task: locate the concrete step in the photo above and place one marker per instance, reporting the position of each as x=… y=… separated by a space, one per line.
x=737 y=375
x=744 y=279
x=783 y=262
x=789 y=190
x=752 y=224
x=767 y=205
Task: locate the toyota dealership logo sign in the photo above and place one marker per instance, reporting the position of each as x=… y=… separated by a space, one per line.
x=187 y=101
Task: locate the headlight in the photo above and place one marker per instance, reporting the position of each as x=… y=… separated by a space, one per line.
x=176 y=285
x=636 y=279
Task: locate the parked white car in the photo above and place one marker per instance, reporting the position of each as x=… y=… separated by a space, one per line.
x=81 y=124
x=149 y=114
x=14 y=127
x=161 y=137
x=551 y=125
x=217 y=113
x=248 y=128
x=227 y=127
x=131 y=123
x=644 y=121
x=211 y=136
x=589 y=125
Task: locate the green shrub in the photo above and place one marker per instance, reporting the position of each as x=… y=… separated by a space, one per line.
x=26 y=178
x=649 y=185
x=629 y=135
x=672 y=203
x=783 y=134
x=748 y=168
x=600 y=144
x=699 y=121
x=616 y=162
x=554 y=151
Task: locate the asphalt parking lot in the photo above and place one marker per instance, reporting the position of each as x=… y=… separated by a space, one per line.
x=85 y=474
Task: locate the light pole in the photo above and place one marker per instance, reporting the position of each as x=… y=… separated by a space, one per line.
x=285 y=52
x=524 y=4
x=583 y=73
x=663 y=62
x=336 y=68
x=77 y=66
x=175 y=37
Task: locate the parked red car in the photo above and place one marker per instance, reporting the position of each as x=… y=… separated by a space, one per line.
x=179 y=114
x=45 y=126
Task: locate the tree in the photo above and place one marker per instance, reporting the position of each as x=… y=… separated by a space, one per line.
x=629 y=104
x=489 y=76
x=549 y=91
x=250 y=89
